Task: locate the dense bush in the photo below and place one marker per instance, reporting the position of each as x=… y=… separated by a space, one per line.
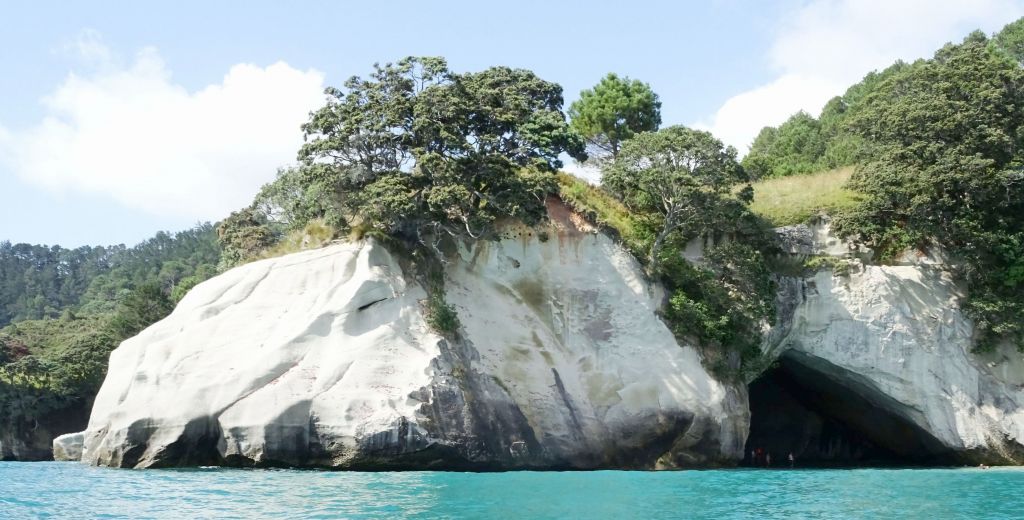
x=946 y=146
x=51 y=365
x=804 y=144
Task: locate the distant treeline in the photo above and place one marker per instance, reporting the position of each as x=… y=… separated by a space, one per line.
x=65 y=310
x=43 y=281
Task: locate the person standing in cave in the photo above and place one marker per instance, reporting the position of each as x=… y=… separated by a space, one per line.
x=768 y=459
x=791 y=460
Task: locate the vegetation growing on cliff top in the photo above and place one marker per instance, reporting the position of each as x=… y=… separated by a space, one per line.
x=785 y=201
x=939 y=148
x=614 y=111
x=945 y=138
x=665 y=189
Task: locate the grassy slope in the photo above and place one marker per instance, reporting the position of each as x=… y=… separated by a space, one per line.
x=784 y=201
x=600 y=207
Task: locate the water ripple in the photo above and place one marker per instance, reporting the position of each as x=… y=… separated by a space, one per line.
x=69 y=490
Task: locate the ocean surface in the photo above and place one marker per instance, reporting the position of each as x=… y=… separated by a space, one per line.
x=71 y=490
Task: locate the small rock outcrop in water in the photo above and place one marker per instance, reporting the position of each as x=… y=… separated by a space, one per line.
x=324 y=359
x=893 y=338
x=68 y=447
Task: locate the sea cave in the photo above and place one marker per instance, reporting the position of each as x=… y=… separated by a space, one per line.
x=825 y=417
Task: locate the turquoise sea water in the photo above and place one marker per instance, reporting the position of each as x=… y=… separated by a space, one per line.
x=70 y=490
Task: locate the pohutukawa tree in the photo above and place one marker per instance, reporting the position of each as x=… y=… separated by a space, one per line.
x=613 y=111
x=681 y=175
x=418 y=150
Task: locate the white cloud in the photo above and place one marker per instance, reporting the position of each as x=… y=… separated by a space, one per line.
x=131 y=133
x=826 y=45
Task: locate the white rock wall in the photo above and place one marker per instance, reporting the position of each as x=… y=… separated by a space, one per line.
x=899 y=330
x=323 y=358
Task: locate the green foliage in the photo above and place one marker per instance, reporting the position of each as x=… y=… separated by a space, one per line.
x=614 y=111
x=164 y=259
x=603 y=209
x=722 y=305
x=794 y=147
x=838 y=266
x=440 y=316
x=417 y=150
x=945 y=139
x=50 y=365
x=803 y=144
x=43 y=281
x=1010 y=40
x=243 y=235
x=300 y=195
x=679 y=176
x=785 y=201
x=141 y=307
x=50 y=368
x=40 y=281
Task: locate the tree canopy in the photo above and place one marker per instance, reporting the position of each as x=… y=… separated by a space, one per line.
x=1011 y=40
x=945 y=153
x=613 y=111
x=418 y=150
x=682 y=175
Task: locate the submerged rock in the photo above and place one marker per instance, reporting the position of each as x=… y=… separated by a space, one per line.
x=324 y=359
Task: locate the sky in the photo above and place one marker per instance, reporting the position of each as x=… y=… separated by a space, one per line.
x=119 y=119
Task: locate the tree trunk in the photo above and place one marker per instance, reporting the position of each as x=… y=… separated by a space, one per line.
x=652 y=258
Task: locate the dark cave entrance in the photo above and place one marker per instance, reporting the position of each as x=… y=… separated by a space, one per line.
x=825 y=417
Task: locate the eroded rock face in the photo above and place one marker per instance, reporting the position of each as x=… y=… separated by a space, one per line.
x=324 y=359
x=68 y=447
x=895 y=335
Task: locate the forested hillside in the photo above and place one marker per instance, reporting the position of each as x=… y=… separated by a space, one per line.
x=938 y=146
x=66 y=309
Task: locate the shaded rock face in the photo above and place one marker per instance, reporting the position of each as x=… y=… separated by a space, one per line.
x=25 y=446
x=324 y=359
x=32 y=440
x=894 y=339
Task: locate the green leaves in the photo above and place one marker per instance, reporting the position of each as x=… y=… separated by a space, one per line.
x=417 y=148
x=1010 y=40
x=683 y=176
x=244 y=234
x=613 y=111
x=945 y=138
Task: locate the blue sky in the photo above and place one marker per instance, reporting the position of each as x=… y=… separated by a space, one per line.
x=120 y=119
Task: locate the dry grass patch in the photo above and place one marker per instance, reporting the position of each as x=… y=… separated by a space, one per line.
x=785 y=201
x=598 y=206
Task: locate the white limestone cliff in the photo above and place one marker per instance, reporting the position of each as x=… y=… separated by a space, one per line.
x=323 y=358
x=895 y=335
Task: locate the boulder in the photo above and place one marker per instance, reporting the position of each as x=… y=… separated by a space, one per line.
x=68 y=447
